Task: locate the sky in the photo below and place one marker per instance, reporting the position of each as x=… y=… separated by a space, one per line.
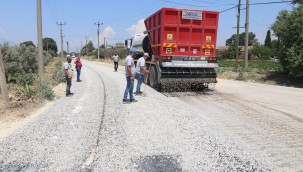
x=121 y=19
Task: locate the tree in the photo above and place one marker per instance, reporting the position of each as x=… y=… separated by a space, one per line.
x=267 y=41
x=50 y=46
x=28 y=43
x=289 y=29
x=252 y=40
x=88 y=49
x=262 y=52
x=275 y=46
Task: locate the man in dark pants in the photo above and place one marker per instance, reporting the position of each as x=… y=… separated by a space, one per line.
x=68 y=75
x=116 y=61
x=78 y=68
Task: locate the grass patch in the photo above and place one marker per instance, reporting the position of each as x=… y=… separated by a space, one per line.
x=262 y=71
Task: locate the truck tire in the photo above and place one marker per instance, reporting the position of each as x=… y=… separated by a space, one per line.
x=153 y=77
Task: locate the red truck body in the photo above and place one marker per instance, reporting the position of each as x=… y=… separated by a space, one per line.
x=182 y=32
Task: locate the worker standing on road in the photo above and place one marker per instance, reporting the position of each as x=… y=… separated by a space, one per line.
x=141 y=70
x=116 y=61
x=68 y=75
x=78 y=67
x=130 y=70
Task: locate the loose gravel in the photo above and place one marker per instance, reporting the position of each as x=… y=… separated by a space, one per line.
x=95 y=131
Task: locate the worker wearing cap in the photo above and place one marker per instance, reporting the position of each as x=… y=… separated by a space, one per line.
x=130 y=71
x=68 y=75
x=141 y=71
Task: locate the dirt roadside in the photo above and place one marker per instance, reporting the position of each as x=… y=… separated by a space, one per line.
x=17 y=113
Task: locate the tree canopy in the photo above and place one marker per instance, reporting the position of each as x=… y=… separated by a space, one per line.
x=252 y=40
x=289 y=30
x=267 y=41
x=28 y=43
x=50 y=46
x=88 y=49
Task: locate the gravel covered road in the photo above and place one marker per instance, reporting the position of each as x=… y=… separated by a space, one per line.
x=219 y=130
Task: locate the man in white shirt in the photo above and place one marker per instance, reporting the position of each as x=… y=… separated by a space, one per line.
x=68 y=75
x=141 y=68
x=116 y=61
x=129 y=74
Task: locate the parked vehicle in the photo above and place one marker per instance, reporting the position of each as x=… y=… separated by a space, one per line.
x=182 y=44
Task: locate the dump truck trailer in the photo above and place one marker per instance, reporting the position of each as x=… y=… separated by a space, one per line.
x=182 y=45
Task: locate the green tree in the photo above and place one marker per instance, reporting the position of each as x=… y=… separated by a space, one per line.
x=275 y=46
x=50 y=46
x=252 y=40
x=88 y=49
x=289 y=29
x=28 y=43
x=262 y=52
x=267 y=41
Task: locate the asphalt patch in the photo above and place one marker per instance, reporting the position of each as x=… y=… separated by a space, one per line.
x=20 y=169
x=158 y=163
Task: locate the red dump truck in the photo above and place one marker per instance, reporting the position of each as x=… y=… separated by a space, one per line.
x=182 y=45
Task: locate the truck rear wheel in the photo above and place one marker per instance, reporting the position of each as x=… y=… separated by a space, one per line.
x=153 y=77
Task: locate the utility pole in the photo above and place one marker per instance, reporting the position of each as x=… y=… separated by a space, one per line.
x=98 y=24
x=47 y=47
x=3 y=84
x=67 y=47
x=238 y=28
x=61 y=35
x=246 y=35
x=104 y=43
x=40 y=43
x=86 y=46
x=81 y=48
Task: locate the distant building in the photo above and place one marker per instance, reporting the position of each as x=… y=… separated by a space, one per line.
x=119 y=45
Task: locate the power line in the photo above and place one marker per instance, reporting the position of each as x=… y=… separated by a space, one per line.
x=287 y=3
x=186 y=4
x=207 y=2
x=229 y=9
x=267 y=3
x=259 y=3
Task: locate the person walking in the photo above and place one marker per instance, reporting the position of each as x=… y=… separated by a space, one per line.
x=116 y=61
x=130 y=70
x=68 y=75
x=141 y=71
x=78 y=67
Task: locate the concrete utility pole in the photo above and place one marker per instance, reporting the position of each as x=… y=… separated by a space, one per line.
x=104 y=43
x=246 y=35
x=238 y=29
x=40 y=43
x=61 y=35
x=86 y=46
x=3 y=84
x=81 y=48
x=98 y=24
x=67 y=47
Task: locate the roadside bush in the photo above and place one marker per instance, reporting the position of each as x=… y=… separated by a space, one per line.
x=24 y=92
x=20 y=60
x=46 y=57
x=46 y=91
x=258 y=66
x=26 y=78
x=58 y=75
x=262 y=52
